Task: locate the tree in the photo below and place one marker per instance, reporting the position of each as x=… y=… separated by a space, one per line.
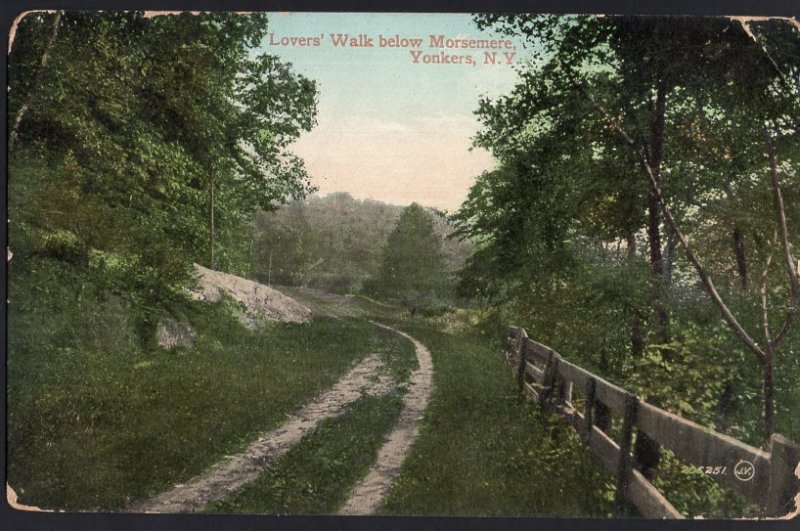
x=333 y=243
x=670 y=110
x=138 y=140
x=282 y=246
x=414 y=268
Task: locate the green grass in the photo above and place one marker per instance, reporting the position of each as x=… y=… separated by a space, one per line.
x=96 y=425
x=482 y=451
x=97 y=422
x=522 y=462
x=318 y=474
x=399 y=357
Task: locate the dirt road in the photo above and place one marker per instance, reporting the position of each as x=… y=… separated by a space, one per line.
x=366 y=498
x=367 y=377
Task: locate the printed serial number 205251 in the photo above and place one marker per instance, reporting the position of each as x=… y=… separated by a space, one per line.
x=713 y=470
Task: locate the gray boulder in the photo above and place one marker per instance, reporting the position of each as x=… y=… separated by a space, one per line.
x=172 y=334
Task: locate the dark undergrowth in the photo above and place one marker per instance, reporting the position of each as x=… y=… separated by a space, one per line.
x=97 y=421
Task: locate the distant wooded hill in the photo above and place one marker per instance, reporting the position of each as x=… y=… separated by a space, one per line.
x=335 y=242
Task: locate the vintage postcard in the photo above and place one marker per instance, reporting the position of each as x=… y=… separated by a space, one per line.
x=388 y=264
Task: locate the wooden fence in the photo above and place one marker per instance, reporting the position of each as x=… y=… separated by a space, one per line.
x=765 y=478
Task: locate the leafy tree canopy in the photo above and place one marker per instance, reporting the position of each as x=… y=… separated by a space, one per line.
x=135 y=139
x=614 y=118
x=414 y=267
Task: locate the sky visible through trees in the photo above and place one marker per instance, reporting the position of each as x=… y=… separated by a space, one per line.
x=627 y=189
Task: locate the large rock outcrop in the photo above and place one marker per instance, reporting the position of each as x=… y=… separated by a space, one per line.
x=260 y=301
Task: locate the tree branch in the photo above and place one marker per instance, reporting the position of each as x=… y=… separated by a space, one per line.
x=45 y=57
x=763 y=292
x=690 y=254
x=744 y=21
x=613 y=123
x=791 y=269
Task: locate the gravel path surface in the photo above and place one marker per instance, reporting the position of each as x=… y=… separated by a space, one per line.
x=368 y=495
x=235 y=471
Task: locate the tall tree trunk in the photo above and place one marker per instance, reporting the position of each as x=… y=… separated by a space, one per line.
x=658 y=125
x=705 y=279
x=269 y=271
x=48 y=50
x=738 y=245
x=722 y=411
x=211 y=219
x=250 y=257
x=669 y=258
x=646 y=451
x=741 y=256
x=769 y=393
x=794 y=290
x=637 y=337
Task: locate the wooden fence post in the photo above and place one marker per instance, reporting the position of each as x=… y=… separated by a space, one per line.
x=511 y=340
x=550 y=373
x=591 y=385
x=784 y=484
x=647 y=455
x=624 y=464
x=564 y=394
x=775 y=487
x=602 y=417
x=522 y=354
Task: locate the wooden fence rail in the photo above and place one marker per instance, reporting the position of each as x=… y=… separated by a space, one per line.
x=765 y=478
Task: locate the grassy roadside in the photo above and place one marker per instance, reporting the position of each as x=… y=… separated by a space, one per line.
x=482 y=451
x=317 y=475
x=96 y=427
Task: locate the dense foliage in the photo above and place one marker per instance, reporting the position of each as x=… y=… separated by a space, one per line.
x=135 y=140
x=414 y=268
x=640 y=220
x=335 y=243
x=647 y=184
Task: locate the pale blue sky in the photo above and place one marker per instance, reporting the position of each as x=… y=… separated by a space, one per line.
x=389 y=129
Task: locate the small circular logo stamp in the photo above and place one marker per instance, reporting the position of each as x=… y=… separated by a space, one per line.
x=744 y=470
